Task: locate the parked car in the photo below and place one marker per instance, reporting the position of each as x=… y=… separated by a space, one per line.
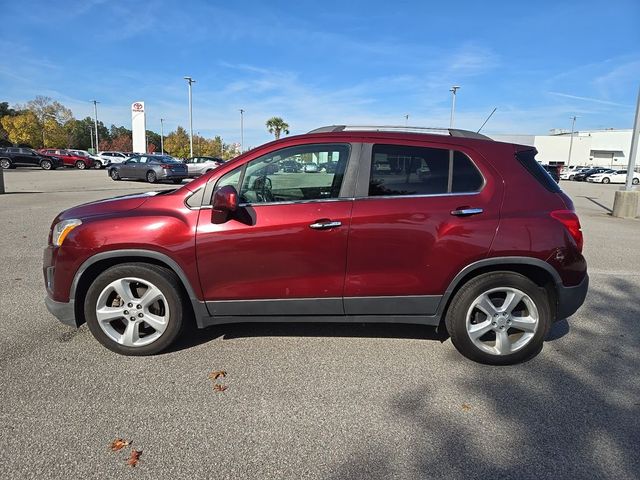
x=328 y=167
x=570 y=174
x=310 y=167
x=582 y=176
x=152 y=168
x=12 y=157
x=552 y=170
x=97 y=161
x=572 y=168
x=109 y=157
x=616 y=176
x=200 y=165
x=246 y=243
x=68 y=158
x=290 y=166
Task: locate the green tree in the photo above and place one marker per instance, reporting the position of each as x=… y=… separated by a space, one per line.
x=5 y=111
x=153 y=138
x=177 y=143
x=276 y=126
x=51 y=116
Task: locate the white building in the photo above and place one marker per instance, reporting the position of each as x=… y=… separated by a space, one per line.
x=598 y=148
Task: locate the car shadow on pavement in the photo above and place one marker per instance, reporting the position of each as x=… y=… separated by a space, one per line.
x=592 y=200
x=571 y=412
x=193 y=336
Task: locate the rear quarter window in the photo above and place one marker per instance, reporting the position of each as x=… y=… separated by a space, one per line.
x=527 y=158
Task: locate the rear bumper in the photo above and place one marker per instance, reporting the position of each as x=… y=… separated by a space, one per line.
x=571 y=298
x=63 y=311
x=168 y=174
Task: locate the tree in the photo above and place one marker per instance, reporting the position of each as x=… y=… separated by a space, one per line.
x=6 y=111
x=23 y=129
x=177 y=143
x=51 y=116
x=153 y=140
x=276 y=126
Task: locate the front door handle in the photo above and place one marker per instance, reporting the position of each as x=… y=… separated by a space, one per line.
x=465 y=212
x=325 y=225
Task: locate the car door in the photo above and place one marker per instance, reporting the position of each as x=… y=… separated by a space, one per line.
x=422 y=212
x=128 y=168
x=283 y=252
x=619 y=177
x=141 y=167
x=18 y=156
x=192 y=166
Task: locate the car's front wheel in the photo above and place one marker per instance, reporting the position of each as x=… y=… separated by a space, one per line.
x=605 y=180
x=5 y=164
x=80 y=165
x=45 y=165
x=499 y=318
x=97 y=164
x=114 y=174
x=135 y=308
x=151 y=176
x=635 y=181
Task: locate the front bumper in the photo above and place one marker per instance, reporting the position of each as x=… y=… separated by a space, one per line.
x=63 y=311
x=571 y=298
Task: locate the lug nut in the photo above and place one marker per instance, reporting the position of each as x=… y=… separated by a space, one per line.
x=494 y=324
x=138 y=307
x=141 y=315
x=132 y=318
x=130 y=305
x=126 y=312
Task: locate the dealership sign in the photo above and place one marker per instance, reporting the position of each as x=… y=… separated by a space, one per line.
x=139 y=127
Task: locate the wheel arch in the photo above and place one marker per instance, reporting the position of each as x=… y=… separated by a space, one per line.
x=97 y=264
x=536 y=270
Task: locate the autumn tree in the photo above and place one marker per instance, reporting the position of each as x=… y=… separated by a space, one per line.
x=23 y=129
x=277 y=126
x=177 y=143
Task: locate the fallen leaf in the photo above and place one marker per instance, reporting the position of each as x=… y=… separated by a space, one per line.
x=118 y=444
x=219 y=388
x=217 y=374
x=134 y=457
x=466 y=406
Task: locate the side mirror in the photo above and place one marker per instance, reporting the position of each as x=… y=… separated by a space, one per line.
x=225 y=201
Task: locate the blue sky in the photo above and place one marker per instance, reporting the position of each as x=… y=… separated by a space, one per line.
x=321 y=63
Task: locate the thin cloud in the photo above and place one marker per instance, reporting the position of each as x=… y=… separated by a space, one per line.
x=589 y=99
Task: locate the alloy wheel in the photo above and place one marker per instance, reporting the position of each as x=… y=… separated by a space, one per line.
x=502 y=321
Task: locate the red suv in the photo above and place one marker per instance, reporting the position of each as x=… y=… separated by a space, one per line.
x=429 y=227
x=69 y=159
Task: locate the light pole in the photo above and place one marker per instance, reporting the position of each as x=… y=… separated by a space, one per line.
x=162 y=135
x=95 y=120
x=190 y=81
x=406 y=120
x=241 y=130
x=91 y=137
x=573 y=124
x=634 y=148
x=453 y=91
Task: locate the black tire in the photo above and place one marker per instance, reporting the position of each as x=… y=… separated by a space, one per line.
x=606 y=180
x=165 y=280
x=456 y=317
x=97 y=164
x=151 y=176
x=5 y=163
x=177 y=181
x=80 y=165
x=113 y=173
x=46 y=164
x=635 y=181
x=571 y=177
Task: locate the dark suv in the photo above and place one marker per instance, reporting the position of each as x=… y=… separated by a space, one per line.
x=12 y=157
x=486 y=245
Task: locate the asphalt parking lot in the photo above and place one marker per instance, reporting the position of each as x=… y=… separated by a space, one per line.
x=314 y=401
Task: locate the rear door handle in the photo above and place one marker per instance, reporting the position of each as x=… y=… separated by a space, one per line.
x=465 y=212
x=325 y=225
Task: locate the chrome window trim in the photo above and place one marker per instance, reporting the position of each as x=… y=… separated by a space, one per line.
x=422 y=195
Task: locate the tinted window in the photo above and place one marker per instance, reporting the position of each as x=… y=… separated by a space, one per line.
x=405 y=170
x=527 y=159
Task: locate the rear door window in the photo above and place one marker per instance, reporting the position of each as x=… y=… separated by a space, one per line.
x=401 y=170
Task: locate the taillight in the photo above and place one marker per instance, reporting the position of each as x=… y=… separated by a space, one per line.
x=165 y=166
x=571 y=222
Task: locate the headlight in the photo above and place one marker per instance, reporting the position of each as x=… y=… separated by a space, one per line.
x=62 y=229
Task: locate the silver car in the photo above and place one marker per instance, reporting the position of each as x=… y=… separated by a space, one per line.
x=200 y=165
x=152 y=168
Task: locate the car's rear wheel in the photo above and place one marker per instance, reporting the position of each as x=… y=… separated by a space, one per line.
x=45 y=165
x=5 y=164
x=151 y=176
x=80 y=165
x=97 y=164
x=635 y=181
x=499 y=318
x=606 y=180
x=114 y=174
x=571 y=177
x=135 y=308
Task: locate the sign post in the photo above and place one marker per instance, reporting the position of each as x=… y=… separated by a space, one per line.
x=139 y=127
x=625 y=203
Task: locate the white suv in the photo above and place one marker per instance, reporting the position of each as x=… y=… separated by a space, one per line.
x=108 y=158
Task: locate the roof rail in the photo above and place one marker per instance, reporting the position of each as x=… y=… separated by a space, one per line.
x=454 y=132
